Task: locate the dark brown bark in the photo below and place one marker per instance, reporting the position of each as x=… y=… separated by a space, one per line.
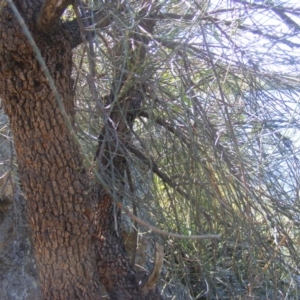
x=116 y=272
x=50 y=164
x=64 y=211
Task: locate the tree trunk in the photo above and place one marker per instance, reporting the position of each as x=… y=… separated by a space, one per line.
x=64 y=211
x=50 y=165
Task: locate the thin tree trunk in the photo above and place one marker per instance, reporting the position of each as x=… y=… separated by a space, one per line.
x=114 y=268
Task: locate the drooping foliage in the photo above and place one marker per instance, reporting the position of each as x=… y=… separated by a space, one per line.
x=201 y=101
x=215 y=147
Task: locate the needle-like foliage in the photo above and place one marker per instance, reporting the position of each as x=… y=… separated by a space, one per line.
x=214 y=145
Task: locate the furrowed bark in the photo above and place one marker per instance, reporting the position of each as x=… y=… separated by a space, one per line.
x=50 y=165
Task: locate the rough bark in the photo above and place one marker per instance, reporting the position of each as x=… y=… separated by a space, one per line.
x=50 y=164
x=64 y=212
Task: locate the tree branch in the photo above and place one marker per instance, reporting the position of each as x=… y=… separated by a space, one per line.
x=50 y=14
x=162 y=232
x=151 y=281
x=285 y=9
x=189 y=17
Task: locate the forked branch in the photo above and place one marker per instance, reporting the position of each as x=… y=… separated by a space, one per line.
x=50 y=14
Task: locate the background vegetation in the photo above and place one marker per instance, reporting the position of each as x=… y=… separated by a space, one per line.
x=215 y=148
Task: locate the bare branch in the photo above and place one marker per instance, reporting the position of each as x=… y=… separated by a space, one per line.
x=165 y=233
x=151 y=281
x=216 y=21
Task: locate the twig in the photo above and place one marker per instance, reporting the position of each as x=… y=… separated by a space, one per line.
x=165 y=233
x=151 y=281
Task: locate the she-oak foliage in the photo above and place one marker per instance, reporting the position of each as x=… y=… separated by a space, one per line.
x=182 y=93
x=65 y=211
